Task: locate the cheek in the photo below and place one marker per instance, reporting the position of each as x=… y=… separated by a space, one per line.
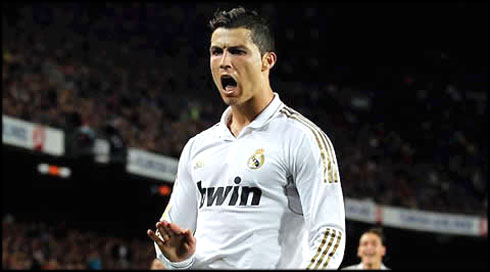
x=213 y=68
x=212 y=64
x=251 y=73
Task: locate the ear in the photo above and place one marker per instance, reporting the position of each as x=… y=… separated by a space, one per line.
x=268 y=61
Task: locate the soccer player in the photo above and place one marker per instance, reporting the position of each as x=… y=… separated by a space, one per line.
x=261 y=188
x=371 y=251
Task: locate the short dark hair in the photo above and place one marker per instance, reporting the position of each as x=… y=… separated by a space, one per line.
x=240 y=17
x=377 y=231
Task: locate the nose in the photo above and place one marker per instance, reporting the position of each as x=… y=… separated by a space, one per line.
x=225 y=61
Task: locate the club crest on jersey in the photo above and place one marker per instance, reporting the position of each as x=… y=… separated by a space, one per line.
x=257 y=159
x=199 y=164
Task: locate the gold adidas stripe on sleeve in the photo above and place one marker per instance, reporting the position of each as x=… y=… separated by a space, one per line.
x=291 y=115
x=333 y=172
x=332 y=167
x=328 y=144
x=324 y=248
x=319 y=249
x=324 y=253
x=326 y=150
x=330 y=255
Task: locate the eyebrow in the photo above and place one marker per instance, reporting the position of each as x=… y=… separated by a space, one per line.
x=229 y=48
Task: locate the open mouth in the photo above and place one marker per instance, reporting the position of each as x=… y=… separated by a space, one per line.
x=229 y=84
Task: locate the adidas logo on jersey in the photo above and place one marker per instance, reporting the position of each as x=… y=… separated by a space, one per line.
x=236 y=195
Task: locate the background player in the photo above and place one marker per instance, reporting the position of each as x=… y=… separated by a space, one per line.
x=371 y=251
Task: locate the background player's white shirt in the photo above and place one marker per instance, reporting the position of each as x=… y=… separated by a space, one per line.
x=360 y=266
x=269 y=198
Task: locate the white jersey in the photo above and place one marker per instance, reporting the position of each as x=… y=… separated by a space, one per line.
x=360 y=266
x=268 y=199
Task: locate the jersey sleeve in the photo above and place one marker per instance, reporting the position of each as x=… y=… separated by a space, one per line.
x=316 y=174
x=182 y=206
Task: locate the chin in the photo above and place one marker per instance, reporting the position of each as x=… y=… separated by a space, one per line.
x=230 y=101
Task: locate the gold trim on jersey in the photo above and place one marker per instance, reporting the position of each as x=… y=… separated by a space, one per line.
x=286 y=111
x=324 y=253
x=324 y=240
x=339 y=237
x=330 y=172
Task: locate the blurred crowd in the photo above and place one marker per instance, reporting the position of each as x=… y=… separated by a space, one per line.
x=56 y=73
x=40 y=245
x=418 y=139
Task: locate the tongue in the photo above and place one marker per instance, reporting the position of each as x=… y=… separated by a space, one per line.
x=230 y=88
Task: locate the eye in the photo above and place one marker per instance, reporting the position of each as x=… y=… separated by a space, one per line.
x=236 y=51
x=216 y=51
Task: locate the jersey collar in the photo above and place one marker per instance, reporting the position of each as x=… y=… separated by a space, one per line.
x=361 y=266
x=258 y=122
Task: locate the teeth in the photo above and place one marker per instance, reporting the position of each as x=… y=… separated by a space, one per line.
x=230 y=89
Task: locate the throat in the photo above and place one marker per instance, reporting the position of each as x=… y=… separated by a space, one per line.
x=235 y=129
x=372 y=265
x=243 y=114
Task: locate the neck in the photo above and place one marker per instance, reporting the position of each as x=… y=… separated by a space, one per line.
x=376 y=265
x=245 y=113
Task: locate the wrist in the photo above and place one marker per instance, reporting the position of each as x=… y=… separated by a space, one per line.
x=182 y=264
